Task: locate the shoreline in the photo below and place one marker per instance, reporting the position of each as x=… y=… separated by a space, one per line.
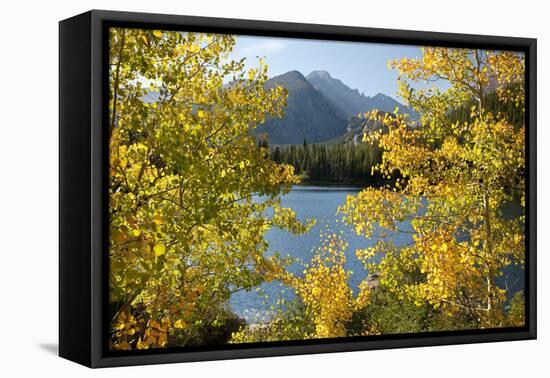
x=354 y=184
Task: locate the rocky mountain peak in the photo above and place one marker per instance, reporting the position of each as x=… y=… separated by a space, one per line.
x=319 y=74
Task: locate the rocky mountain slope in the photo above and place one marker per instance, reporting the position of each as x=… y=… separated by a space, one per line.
x=349 y=102
x=307 y=114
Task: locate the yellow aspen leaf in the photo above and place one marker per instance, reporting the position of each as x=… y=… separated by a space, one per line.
x=159 y=249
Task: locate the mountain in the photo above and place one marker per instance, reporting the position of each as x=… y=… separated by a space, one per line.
x=308 y=115
x=356 y=128
x=388 y=104
x=349 y=102
x=320 y=109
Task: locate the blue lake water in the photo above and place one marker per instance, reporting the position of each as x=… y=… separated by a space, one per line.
x=322 y=203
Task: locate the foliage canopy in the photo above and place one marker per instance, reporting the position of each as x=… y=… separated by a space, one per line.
x=457 y=178
x=185 y=230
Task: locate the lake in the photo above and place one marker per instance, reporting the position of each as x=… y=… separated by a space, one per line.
x=321 y=203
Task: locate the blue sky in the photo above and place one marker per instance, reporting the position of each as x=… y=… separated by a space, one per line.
x=359 y=65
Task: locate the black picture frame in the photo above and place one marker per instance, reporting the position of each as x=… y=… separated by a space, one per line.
x=83 y=182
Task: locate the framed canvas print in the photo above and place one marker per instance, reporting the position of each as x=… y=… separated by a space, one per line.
x=233 y=188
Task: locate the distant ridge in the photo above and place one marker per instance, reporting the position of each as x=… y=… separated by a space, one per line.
x=349 y=102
